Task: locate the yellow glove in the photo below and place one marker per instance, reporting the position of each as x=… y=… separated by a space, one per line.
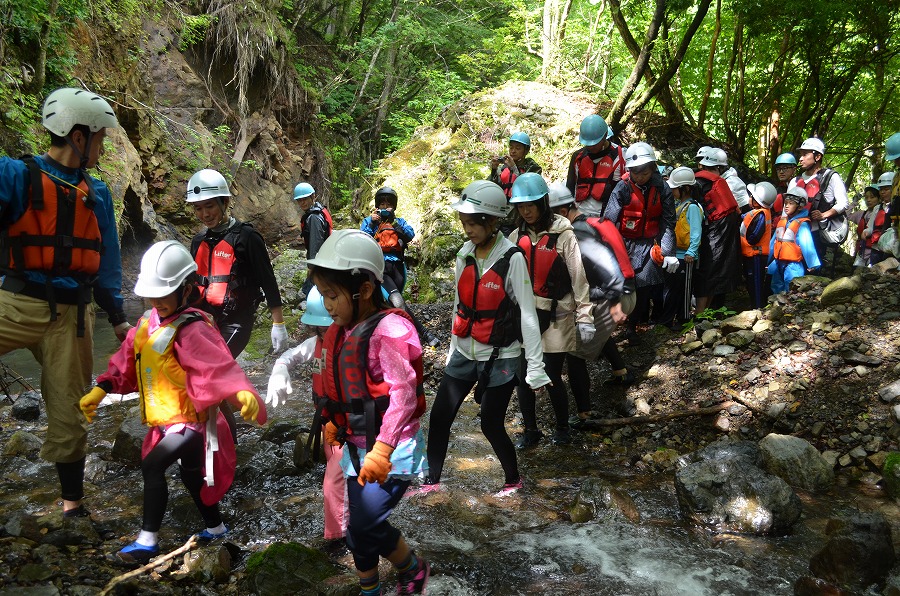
x=249 y=405
x=377 y=464
x=90 y=402
x=330 y=432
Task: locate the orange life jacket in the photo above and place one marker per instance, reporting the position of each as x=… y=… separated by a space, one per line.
x=718 y=200
x=640 y=217
x=596 y=179
x=786 y=247
x=58 y=234
x=761 y=247
x=485 y=311
x=355 y=400
x=611 y=237
x=388 y=239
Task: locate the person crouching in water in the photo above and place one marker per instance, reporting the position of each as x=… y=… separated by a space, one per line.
x=178 y=362
x=792 y=251
x=494 y=305
x=373 y=381
x=561 y=297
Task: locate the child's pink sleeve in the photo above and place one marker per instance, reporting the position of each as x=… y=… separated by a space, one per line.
x=120 y=373
x=393 y=347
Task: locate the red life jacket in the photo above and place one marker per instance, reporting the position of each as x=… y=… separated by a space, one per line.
x=356 y=401
x=880 y=225
x=596 y=180
x=815 y=189
x=546 y=267
x=225 y=283
x=640 y=217
x=611 y=237
x=761 y=247
x=316 y=208
x=506 y=180
x=718 y=200
x=485 y=311
x=786 y=247
x=58 y=233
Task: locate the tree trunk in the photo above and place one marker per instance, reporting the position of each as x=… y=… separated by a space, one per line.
x=40 y=66
x=710 y=62
x=642 y=59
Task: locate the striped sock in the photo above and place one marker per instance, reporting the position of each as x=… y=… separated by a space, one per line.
x=409 y=563
x=370 y=586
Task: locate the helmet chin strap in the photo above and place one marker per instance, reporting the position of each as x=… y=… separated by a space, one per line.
x=82 y=158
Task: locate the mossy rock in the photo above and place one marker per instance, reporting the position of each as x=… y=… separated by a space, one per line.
x=286 y=568
x=891 y=474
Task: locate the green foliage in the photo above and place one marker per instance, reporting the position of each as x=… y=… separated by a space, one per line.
x=194 y=30
x=709 y=314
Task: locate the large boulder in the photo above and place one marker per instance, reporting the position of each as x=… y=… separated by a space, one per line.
x=840 y=291
x=797 y=462
x=287 y=568
x=734 y=495
x=129 y=438
x=859 y=552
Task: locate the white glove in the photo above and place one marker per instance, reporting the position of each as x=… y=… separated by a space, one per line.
x=279 y=337
x=586 y=331
x=670 y=264
x=279 y=385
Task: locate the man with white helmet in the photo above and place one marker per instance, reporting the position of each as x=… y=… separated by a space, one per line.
x=315 y=226
x=827 y=198
x=59 y=250
x=643 y=208
x=596 y=168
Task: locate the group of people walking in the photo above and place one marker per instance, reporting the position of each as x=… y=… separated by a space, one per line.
x=546 y=274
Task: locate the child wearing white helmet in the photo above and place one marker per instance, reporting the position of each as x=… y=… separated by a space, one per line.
x=792 y=252
x=179 y=363
x=689 y=228
x=756 y=234
x=373 y=397
x=334 y=485
x=493 y=308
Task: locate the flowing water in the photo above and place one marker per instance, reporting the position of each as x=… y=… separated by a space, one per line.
x=478 y=543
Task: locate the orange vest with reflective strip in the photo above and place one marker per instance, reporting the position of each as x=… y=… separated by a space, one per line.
x=761 y=247
x=786 y=247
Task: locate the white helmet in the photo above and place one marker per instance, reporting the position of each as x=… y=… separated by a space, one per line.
x=482 y=196
x=206 y=184
x=797 y=195
x=886 y=179
x=682 y=176
x=812 y=144
x=66 y=107
x=164 y=268
x=560 y=195
x=350 y=250
x=715 y=157
x=639 y=154
x=763 y=193
x=702 y=151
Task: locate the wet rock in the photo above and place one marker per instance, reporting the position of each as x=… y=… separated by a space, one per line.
x=211 y=563
x=599 y=499
x=22 y=443
x=286 y=568
x=742 y=321
x=23 y=525
x=67 y=531
x=814 y=586
x=34 y=572
x=733 y=495
x=302 y=455
x=129 y=438
x=859 y=551
x=740 y=339
x=724 y=449
x=27 y=406
x=840 y=291
x=796 y=462
x=890 y=392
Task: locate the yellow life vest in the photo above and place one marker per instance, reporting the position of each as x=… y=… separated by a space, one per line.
x=682 y=225
x=161 y=380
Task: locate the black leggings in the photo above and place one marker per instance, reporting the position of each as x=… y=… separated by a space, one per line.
x=186 y=445
x=611 y=352
x=580 y=382
x=494 y=404
x=559 y=397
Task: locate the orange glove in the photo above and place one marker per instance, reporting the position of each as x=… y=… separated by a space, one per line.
x=656 y=255
x=249 y=405
x=377 y=464
x=330 y=432
x=89 y=403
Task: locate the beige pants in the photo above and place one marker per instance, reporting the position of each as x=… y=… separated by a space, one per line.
x=66 y=365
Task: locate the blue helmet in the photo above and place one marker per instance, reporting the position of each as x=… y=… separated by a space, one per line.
x=609 y=133
x=303 y=190
x=786 y=158
x=593 y=130
x=529 y=187
x=315 y=313
x=520 y=137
